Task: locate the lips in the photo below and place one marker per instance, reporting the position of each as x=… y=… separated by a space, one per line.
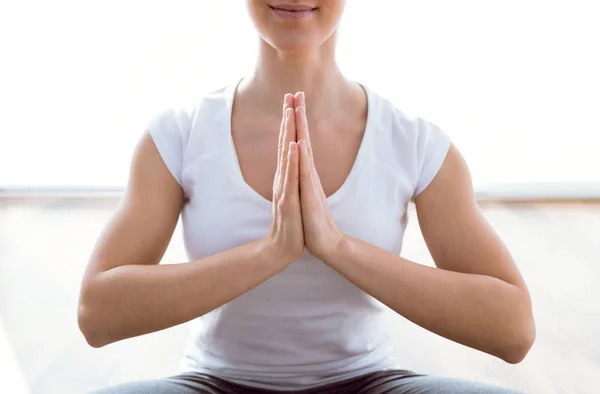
x=293 y=11
x=293 y=7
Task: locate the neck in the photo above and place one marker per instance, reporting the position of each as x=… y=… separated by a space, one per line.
x=315 y=73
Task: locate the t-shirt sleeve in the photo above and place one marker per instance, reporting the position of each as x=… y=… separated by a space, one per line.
x=432 y=147
x=166 y=130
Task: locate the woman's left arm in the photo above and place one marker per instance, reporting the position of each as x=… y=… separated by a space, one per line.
x=475 y=297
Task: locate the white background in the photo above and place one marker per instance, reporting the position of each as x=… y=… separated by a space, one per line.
x=516 y=83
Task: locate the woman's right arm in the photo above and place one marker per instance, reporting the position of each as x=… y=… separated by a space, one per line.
x=126 y=293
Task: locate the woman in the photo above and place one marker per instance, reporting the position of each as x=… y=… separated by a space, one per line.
x=294 y=235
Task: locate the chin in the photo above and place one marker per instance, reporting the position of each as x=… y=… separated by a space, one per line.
x=295 y=25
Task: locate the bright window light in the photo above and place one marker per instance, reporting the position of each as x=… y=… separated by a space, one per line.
x=515 y=82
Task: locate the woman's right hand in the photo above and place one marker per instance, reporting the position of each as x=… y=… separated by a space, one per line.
x=286 y=236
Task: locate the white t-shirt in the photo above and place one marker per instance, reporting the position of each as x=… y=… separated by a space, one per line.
x=307 y=325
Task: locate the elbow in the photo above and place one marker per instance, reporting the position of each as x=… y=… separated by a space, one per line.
x=522 y=341
x=89 y=320
x=516 y=354
x=92 y=332
x=91 y=337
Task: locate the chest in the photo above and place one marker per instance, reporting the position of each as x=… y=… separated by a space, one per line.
x=230 y=166
x=336 y=145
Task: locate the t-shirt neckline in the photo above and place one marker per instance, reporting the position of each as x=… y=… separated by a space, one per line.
x=334 y=198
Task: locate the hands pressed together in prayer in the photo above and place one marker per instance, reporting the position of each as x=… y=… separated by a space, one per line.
x=301 y=215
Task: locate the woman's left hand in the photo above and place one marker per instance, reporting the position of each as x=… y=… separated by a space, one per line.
x=321 y=235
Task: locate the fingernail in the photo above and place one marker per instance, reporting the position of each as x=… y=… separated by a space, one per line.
x=288 y=113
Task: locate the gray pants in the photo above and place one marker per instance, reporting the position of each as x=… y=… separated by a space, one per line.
x=389 y=382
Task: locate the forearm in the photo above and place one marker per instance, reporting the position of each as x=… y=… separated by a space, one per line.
x=478 y=311
x=132 y=300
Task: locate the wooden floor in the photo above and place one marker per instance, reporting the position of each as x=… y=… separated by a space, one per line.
x=44 y=245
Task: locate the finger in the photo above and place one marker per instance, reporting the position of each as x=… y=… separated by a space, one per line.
x=302 y=99
x=309 y=178
x=302 y=128
x=288 y=102
x=301 y=125
x=299 y=100
x=287 y=118
x=301 y=122
x=305 y=181
x=289 y=136
x=300 y=108
x=291 y=187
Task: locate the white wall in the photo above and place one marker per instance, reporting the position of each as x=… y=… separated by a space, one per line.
x=514 y=82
